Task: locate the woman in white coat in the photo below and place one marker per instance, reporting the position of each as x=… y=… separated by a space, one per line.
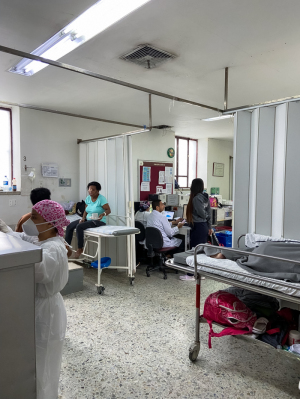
x=44 y=229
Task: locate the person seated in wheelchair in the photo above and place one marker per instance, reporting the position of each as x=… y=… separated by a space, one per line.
x=160 y=222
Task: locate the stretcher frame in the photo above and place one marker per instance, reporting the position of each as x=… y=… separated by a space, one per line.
x=194 y=348
x=130 y=243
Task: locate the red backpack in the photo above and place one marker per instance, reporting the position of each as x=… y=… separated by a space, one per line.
x=226 y=309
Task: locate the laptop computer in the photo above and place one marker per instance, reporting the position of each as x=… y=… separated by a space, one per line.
x=168 y=215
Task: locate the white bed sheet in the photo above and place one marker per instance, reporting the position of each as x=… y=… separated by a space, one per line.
x=227 y=265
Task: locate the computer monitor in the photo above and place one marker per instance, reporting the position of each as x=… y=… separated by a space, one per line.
x=169 y=215
x=184 y=211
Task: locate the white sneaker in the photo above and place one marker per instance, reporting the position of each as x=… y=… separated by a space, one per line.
x=187 y=278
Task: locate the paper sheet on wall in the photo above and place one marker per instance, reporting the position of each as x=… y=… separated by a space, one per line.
x=169 y=174
x=161 y=178
x=159 y=189
x=49 y=170
x=145 y=186
x=169 y=188
x=146 y=173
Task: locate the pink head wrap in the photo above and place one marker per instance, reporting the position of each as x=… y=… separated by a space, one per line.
x=52 y=212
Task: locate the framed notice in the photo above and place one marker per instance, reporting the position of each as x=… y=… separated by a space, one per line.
x=218 y=169
x=49 y=170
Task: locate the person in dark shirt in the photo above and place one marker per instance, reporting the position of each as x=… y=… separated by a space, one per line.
x=36 y=195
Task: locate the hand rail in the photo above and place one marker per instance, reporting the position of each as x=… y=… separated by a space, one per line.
x=237 y=251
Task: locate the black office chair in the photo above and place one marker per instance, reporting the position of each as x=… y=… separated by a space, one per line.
x=154 y=244
x=139 y=248
x=141 y=236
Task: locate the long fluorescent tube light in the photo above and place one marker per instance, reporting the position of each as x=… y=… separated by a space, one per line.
x=89 y=24
x=217 y=118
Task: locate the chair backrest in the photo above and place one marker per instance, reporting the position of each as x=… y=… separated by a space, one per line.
x=142 y=233
x=154 y=238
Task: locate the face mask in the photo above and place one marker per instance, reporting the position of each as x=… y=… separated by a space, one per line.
x=30 y=229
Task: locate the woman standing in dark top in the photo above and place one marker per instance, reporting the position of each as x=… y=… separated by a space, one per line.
x=198 y=216
x=198 y=213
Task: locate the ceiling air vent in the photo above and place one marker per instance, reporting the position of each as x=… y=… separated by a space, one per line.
x=147 y=56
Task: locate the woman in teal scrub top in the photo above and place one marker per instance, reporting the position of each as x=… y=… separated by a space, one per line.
x=96 y=210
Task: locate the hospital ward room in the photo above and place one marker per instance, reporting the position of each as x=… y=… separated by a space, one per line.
x=149 y=229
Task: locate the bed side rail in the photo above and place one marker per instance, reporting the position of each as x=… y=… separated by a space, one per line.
x=239 y=252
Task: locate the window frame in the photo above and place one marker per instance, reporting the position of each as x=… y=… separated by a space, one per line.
x=188 y=150
x=11 y=143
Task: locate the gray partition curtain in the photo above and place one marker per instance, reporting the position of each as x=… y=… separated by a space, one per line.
x=266 y=170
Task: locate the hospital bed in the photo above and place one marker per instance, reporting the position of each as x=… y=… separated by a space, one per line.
x=229 y=272
x=96 y=234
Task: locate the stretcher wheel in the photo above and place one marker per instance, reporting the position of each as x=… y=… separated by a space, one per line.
x=100 y=290
x=131 y=280
x=165 y=276
x=87 y=264
x=148 y=274
x=194 y=351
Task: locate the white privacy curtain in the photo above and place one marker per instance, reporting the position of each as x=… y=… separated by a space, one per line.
x=109 y=161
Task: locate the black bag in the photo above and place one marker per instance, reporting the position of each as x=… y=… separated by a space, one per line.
x=80 y=208
x=277 y=332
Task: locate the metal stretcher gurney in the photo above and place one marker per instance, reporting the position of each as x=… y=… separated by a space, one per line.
x=280 y=289
x=111 y=232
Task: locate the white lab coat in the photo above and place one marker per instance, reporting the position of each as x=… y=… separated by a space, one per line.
x=160 y=222
x=51 y=275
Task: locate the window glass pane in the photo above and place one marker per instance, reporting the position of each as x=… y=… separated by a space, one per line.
x=5 y=150
x=182 y=157
x=182 y=181
x=192 y=160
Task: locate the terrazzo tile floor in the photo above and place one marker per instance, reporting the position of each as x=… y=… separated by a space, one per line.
x=132 y=342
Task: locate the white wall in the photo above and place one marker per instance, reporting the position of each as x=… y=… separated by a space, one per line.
x=202 y=160
x=219 y=151
x=150 y=146
x=47 y=137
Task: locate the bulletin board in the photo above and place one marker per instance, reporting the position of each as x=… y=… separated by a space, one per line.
x=149 y=175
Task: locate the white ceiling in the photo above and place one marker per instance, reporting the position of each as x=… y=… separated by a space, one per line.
x=258 y=40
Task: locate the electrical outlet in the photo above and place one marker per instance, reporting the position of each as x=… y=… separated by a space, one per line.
x=14 y=201
x=10 y=202
x=41 y=183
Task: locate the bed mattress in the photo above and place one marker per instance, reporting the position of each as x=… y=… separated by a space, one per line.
x=114 y=230
x=228 y=266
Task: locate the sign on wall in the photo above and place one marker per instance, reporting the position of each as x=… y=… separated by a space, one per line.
x=218 y=169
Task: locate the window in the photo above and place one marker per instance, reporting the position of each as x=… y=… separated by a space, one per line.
x=186 y=161
x=6 y=149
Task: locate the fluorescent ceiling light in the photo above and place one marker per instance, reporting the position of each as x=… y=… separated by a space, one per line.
x=89 y=24
x=217 y=118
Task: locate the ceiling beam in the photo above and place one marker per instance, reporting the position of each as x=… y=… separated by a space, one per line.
x=226 y=89
x=259 y=105
x=86 y=72
x=54 y=111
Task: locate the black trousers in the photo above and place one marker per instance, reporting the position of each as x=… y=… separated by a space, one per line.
x=199 y=234
x=80 y=227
